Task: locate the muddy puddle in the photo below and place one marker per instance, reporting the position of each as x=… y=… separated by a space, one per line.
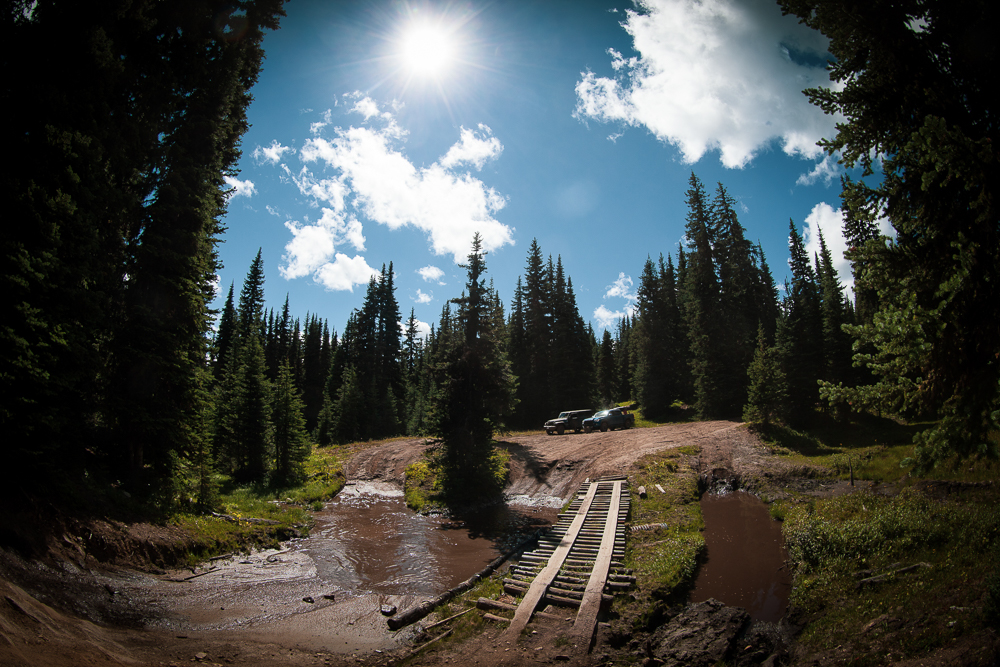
x=326 y=592
x=744 y=564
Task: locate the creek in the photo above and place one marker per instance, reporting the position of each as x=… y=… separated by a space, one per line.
x=366 y=550
x=745 y=558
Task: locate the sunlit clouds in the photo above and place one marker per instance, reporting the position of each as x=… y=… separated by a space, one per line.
x=620 y=289
x=431 y=274
x=240 y=188
x=359 y=174
x=714 y=75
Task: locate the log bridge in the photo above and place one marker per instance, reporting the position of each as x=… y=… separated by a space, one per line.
x=576 y=561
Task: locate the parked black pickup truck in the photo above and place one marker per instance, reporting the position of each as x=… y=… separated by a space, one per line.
x=610 y=419
x=571 y=420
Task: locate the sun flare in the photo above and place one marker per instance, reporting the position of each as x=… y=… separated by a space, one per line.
x=427 y=50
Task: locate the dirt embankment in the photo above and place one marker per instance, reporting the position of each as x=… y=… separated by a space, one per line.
x=59 y=609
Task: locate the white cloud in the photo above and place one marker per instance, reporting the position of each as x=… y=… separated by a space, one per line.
x=831 y=223
x=344 y=273
x=270 y=153
x=714 y=75
x=313 y=245
x=317 y=127
x=621 y=288
x=826 y=170
x=606 y=318
x=824 y=218
x=380 y=182
x=431 y=274
x=271 y=209
x=423 y=298
x=472 y=149
x=240 y=188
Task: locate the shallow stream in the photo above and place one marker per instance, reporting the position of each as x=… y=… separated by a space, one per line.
x=745 y=556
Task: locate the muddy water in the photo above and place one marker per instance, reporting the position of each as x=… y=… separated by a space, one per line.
x=367 y=541
x=745 y=556
x=325 y=592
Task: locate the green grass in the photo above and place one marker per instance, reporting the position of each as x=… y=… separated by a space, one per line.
x=287 y=506
x=836 y=542
x=665 y=558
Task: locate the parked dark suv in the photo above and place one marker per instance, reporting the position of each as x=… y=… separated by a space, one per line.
x=566 y=421
x=610 y=419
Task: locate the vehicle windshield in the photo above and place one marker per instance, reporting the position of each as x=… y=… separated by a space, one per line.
x=603 y=413
x=562 y=414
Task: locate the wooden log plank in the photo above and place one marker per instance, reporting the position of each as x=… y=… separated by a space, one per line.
x=586 y=618
x=544 y=578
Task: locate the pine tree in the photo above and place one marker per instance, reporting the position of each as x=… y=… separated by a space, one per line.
x=476 y=390
x=225 y=339
x=800 y=334
x=291 y=445
x=739 y=316
x=606 y=374
x=768 y=390
x=702 y=308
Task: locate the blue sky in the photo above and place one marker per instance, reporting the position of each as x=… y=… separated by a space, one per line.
x=392 y=131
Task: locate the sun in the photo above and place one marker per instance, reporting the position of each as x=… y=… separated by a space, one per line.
x=427 y=50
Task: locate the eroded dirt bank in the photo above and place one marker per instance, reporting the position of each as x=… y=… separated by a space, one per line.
x=73 y=610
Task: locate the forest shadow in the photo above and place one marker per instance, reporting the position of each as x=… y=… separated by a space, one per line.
x=823 y=435
x=537 y=469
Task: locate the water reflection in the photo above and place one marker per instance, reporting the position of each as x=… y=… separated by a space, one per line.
x=745 y=556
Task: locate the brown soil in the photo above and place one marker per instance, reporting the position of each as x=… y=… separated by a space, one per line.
x=62 y=606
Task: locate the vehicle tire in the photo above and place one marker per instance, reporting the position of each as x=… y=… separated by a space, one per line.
x=588 y=429
x=604 y=428
x=560 y=430
x=548 y=432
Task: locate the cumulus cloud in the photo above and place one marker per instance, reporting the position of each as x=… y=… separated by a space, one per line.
x=472 y=149
x=423 y=298
x=431 y=274
x=240 y=188
x=824 y=218
x=270 y=153
x=714 y=75
x=606 y=318
x=367 y=173
x=620 y=289
x=345 y=272
x=825 y=170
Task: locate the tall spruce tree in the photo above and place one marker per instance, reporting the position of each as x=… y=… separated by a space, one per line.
x=291 y=443
x=800 y=334
x=702 y=308
x=476 y=390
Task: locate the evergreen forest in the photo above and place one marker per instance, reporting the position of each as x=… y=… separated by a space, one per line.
x=114 y=368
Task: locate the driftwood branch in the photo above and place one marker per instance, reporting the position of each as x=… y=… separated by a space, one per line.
x=436 y=639
x=878 y=579
x=450 y=618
